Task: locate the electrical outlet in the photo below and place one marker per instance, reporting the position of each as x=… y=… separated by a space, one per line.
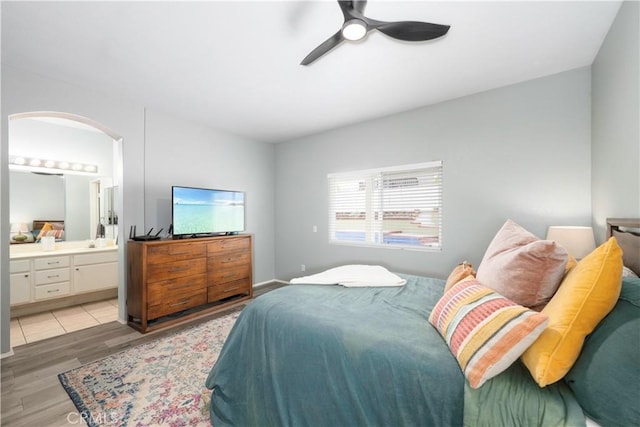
x=303 y=267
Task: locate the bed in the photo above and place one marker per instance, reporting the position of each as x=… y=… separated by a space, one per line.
x=337 y=356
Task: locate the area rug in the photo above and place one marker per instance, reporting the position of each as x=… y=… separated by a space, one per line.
x=160 y=383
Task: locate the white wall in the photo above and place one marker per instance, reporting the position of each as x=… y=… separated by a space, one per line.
x=30 y=137
x=520 y=152
x=616 y=122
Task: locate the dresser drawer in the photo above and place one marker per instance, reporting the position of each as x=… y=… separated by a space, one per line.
x=224 y=245
x=187 y=300
x=169 y=253
x=229 y=261
x=229 y=289
x=52 y=291
x=228 y=274
x=173 y=289
x=51 y=262
x=172 y=270
x=44 y=277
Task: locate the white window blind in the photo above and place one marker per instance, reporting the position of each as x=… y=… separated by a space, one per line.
x=394 y=207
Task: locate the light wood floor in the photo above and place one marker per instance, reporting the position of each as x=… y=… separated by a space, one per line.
x=31 y=392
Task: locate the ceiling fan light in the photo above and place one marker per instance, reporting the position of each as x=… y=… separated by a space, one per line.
x=354 y=29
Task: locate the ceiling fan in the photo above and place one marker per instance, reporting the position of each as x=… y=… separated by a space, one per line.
x=356 y=26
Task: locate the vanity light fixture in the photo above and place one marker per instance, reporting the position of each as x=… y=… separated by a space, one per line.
x=34 y=164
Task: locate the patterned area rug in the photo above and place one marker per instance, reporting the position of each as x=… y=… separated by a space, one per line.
x=160 y=383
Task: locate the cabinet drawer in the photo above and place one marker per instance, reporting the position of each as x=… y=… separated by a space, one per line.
x=19 y=266
x=173 y=289
x=172 y=270
x=187 y=300
x=52 y=291
x=229 y=289
x=224 y=245
x=175 y=252
x=96 y=258
x=51 y=262
x=44 y=277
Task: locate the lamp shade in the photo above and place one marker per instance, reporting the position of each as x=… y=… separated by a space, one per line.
x=19 y=227
x=578 y=241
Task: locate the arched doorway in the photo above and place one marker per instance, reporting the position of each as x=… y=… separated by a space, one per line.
x=69 y=140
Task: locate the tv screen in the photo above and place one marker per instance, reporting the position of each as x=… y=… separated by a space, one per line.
x=206 y=211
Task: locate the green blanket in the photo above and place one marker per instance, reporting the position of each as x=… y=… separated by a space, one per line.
x=310 y=355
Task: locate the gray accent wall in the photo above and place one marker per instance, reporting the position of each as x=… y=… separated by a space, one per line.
x=519 y=152
x=615 y=188
x=179 y=152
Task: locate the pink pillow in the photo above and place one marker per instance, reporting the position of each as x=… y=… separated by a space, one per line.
x=522 y=267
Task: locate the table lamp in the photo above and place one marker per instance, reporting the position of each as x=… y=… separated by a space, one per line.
x=578 y=241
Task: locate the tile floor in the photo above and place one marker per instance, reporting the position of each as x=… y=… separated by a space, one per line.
x=35 y=327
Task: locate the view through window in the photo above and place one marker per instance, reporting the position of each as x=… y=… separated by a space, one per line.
x=398 y=206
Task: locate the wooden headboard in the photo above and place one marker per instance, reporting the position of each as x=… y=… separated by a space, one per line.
x=627 y=233
x=39 y=223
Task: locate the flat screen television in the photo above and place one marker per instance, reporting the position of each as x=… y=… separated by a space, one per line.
x=204 y=211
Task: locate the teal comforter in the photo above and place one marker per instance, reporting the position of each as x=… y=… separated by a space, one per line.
x=311 y=355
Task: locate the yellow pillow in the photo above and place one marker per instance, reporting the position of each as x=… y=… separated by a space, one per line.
x=586 y=295
x=45 y=228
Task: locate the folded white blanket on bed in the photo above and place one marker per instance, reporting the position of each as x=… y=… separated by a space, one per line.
x=353 y=276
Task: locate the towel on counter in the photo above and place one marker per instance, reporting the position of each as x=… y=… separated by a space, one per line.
x=353 y=276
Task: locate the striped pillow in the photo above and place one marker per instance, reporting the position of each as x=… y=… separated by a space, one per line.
x=485 y=331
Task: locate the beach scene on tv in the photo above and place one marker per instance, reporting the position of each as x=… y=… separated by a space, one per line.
x=204 y=211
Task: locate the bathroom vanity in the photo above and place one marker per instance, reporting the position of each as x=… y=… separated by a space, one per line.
x=73 y=273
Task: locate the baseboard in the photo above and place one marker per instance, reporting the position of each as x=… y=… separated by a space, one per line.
x=269 y=282
x=7 y=354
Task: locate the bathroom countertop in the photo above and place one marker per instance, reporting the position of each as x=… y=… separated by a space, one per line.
x=34 y=250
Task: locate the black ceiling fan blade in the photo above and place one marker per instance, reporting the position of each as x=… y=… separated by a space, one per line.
x=325 y=47
x=411 y=30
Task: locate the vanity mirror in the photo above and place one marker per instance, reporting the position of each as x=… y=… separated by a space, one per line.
x=79 y=190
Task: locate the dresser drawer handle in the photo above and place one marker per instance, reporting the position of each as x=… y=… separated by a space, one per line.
x=52 y=291
x=181 y=286
x=53 y=262
x=181 y=302
x=53 y=277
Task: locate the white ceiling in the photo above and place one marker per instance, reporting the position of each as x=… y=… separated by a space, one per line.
x=234 y=65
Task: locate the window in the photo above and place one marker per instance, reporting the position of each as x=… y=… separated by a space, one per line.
x=392 y=207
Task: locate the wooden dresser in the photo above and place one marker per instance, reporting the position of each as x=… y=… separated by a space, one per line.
x=169 y=281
